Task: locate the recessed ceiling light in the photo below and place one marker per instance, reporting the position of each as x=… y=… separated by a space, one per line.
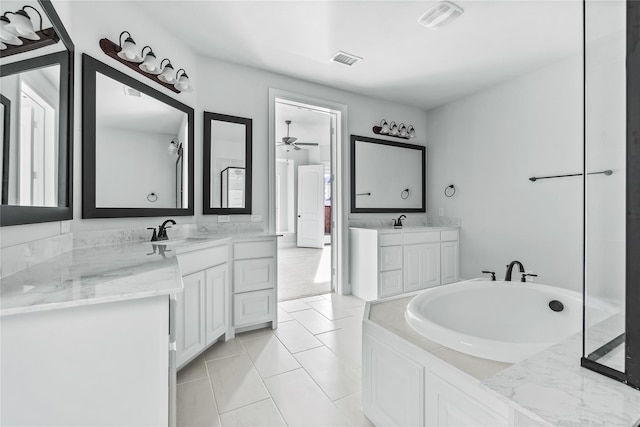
x=345 y=58
x=440 y=15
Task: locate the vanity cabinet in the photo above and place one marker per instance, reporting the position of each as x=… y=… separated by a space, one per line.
x=254 y=283
x=394 y=261
x=202 y=312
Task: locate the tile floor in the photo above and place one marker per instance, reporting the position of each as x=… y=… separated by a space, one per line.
x=304 y=373
x=303 y=272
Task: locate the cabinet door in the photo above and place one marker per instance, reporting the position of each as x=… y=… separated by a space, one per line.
x=447 y=406
x=190 y=334
x=393 y=386
x=390 y=258
x=215 y=291
x=390 y=283
x=449 y=262
x=421 y=266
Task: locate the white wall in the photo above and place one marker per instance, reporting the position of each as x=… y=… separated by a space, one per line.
x=488 y=145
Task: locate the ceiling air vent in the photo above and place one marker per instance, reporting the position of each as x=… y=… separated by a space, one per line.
x=440 y=15
x=345 y=58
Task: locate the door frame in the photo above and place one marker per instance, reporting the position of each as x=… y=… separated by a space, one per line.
x=339 y=201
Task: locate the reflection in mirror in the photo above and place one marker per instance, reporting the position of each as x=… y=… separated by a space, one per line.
x=37 y=111
x=143 y=137
x=227 y=168
x=387 y=176
x=138 y=145
x=33 y=105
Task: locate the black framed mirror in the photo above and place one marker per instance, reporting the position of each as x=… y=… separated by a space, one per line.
x=37 y=160
x=387 y=176
x=227 y=175
x=137 y=157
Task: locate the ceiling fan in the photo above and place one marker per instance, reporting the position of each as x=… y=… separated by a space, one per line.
x=290 y=141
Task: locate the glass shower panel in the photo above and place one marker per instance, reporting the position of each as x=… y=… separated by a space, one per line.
x=605 y=150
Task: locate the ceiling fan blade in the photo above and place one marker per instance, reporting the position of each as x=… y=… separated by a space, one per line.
x=307 y=143
x=295 y=147
x=289 y=139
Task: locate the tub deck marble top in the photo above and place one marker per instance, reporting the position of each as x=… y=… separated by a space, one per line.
x=102 y=274
x=551 y=387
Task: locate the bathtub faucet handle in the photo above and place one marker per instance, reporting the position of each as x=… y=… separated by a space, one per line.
x=524 y=276
x=492 y=273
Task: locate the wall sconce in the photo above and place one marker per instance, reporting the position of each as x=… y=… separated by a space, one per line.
x=17 y=34
x=146 y=63
x=392 y=129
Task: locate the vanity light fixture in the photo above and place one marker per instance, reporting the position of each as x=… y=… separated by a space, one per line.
x=18 y=35
x=182 y=81
x=175 y=147
x=392 y=129
x=146 y=63
x=128 y=48
x=150 y=62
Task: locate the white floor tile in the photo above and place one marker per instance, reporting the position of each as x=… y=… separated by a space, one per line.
x=313 y=321
x=351 y=408
x=224 y=349
x=293 y=305
x=235 y=382
x=192 y=371
x=259 y=414
x=313 y=298
x=301 y=402
x=195 y=404
x=332 y=311
x=346 y=344
x=257 y=333
x=335 y=377
x=295 y=337
x=270 y=356
x=283 y=316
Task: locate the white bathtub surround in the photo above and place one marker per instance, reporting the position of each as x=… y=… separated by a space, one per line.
x=497 y=320
x=548 y=389
x=23 y=255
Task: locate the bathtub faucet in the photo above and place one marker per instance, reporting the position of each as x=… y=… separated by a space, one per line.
x=507 y=277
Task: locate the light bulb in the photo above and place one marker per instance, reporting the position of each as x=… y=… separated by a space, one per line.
x=150 y=64
x=167 y=75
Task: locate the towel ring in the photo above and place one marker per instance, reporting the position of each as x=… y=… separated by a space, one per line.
x=152 y=197
x=405 y=193
x=451 y=192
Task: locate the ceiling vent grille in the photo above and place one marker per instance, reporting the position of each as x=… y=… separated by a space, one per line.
x=440 y=15
x=345 y=58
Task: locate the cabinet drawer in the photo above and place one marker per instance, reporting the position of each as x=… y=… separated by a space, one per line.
x=421 y=237
x=253 y=307
x=261 y=249
x=449 y=235
x=191 y=262
x=390 y=258
x=390 y=239
x=254 y=274
x=390 y=283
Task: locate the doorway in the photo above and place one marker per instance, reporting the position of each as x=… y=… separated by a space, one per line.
x=305 y=194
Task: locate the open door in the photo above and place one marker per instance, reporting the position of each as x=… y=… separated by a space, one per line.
x=310 y=206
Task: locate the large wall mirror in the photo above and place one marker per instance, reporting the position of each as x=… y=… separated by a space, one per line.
x=37 y=128
x=387 y=176
x=137 y=147
x=227 y=164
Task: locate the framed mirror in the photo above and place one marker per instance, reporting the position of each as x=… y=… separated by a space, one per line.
x=137 y=143
x=37 y=130
x=227 y=164
x=387 y=176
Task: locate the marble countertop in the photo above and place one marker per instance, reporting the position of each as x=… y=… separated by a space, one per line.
x=409 y=228
x=102 y=274
x=551 y=387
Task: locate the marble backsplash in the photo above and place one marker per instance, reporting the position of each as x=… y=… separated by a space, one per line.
x=18 y=257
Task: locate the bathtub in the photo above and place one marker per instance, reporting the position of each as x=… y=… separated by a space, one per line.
x=503 y=321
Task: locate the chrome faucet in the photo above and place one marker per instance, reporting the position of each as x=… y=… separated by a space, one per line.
x=398 y=222
x=507 y=277
x=162 y=229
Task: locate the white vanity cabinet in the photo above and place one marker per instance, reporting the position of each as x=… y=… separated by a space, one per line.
x=202 y=311
x=254 y=283
x=389 y=262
